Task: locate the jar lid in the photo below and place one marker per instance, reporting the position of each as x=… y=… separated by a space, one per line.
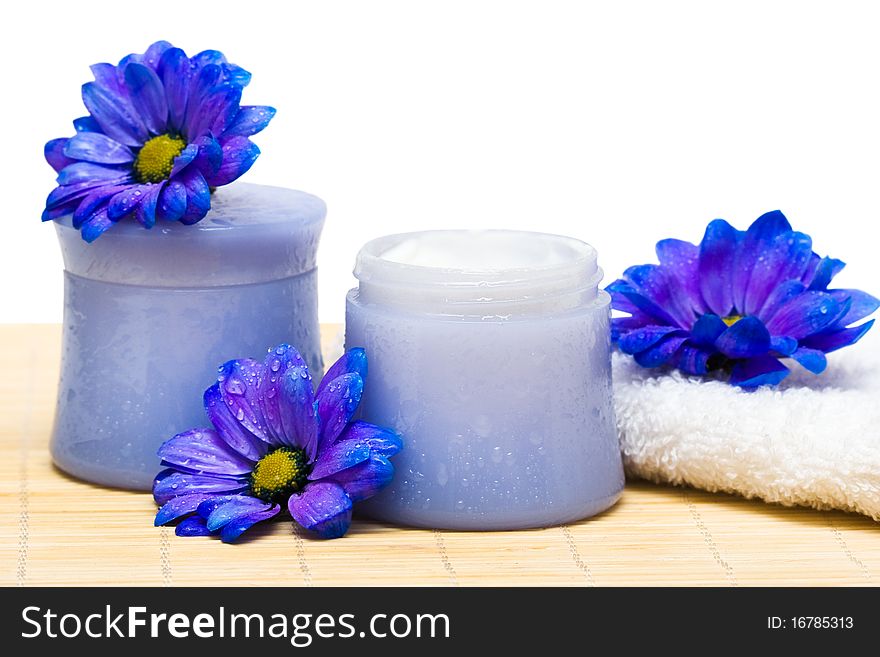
x=252 y=234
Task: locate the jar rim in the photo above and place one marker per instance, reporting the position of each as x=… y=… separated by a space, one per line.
x=528 y=273
x=374 y=252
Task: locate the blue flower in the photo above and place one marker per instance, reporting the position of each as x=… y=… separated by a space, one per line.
x=163 y=130
x=738 y=302
x=275 y=442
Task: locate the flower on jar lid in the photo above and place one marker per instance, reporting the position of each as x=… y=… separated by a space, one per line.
x=163 y=131
x=275 y=444
x=738 y=303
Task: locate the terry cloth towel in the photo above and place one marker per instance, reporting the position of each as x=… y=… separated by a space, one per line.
x=813 y=441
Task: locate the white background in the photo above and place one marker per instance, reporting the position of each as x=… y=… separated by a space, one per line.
x=618 y=123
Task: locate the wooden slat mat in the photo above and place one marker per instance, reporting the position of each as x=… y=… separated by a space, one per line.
x=55 y=530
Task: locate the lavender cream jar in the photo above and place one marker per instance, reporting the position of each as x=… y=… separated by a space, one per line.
x=490 y=353
x=150 y=314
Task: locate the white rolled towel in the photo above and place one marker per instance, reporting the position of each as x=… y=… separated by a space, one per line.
x=813 y=441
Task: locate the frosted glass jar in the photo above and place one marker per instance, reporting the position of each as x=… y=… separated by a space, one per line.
x=150 y=314
x=489 y=351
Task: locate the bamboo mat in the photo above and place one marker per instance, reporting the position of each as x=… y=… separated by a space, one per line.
x=55 y=530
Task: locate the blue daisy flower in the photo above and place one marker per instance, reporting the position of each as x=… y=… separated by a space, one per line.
x=275 y=443
x=738 y=303
x=163 y=131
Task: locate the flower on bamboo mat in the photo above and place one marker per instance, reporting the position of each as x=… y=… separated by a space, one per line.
x=738 y=303
x=275 y=444
x=163 y=131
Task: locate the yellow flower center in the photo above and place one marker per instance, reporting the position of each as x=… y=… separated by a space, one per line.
x=156 y=158
x=730 y=320
x=279 y=473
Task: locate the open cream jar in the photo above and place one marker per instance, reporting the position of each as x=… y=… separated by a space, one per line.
x=489 y=351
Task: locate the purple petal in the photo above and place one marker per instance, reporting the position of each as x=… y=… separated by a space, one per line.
x=861 y=304
x=354 y=360
x=235 y=75
x=783 y=345
x=114 y=114
x=172 y=201
x=198 y=197
x=645 y=338
x=147 y=96
x=785 y=259
x=204 y=100
x=804 y=315
x=812 y=359
x=179 y=506
x=693 y=359
x=745 y=339
x=250 y=120
x=98 y=148
x=145 y=213
x=86 y=124
x=620 y=326
x=228 y=105
x=230 y=429
x=210 y=155
x=240 y=382
x=826 y=269
x=786 y=291
x=661 y=353
x=64 y=194
x=322 y=507
x=624 y=296
x=339 y=456
x=192 y=526
x=182 y=161
x=54 y=153
x=209 y=57
x=94 y=200
x=237 y=526
x=154 y=54
x=239 y=154
x=653 y=282
x=172 y=483
x=829 y=342
x=204 y=451
x=60 y=210
x=96 y=225
x=215 y=502
x=107 y=76
x=220 y=511
x=716 y=266
x=366 y=479
x=707 y=329
x=758 y=371
x=86 y=172
x=336 y=404
x=758 y=238
x=621 y=302
x=681 y=259
x=276 y=364
x=381 y=440
x=297 y=410
x=125 y=202
x=173 y=70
